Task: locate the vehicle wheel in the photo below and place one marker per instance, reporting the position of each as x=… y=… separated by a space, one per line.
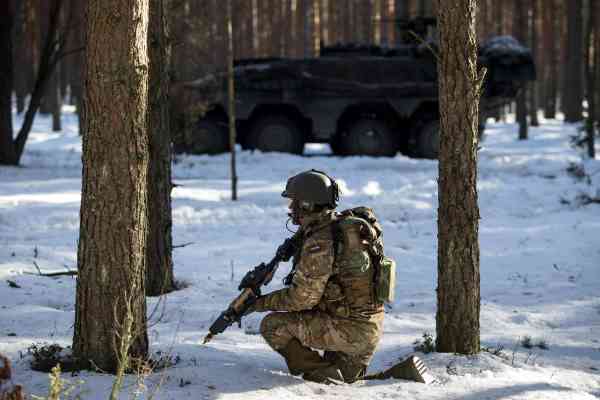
x=276 y=133
x=428 y=139
x=209 y=137
x=337 y=146
x=369 y=137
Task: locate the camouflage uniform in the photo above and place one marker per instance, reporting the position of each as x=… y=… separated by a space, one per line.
x=330 y=303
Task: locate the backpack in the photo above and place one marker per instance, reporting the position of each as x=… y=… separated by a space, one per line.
x=372 y=232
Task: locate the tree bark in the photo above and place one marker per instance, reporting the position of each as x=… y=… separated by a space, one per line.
x=20 y=75
x=458 y=298
x=533 y=40
x=53 y=99
x=114 y=202
x=402 y=11
x=159 y=269
x=592 y=58
x=574 y=66
x=550 y=76
x=520 y=32
x=231 y=100
x=7 y=150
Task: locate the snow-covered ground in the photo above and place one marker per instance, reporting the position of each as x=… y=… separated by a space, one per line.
x=540 y=269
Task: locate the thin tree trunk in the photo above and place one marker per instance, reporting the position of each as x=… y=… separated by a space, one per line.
x=520 y=26
x=53 y=99
x=47 y=63
x=43 y=11
x=457 y=318
x=402 y=11
x=231 y=96
x=20 y=75
x=592 y=58
x=114 y=210
x=574 y=66
x=7 y=150
x=551 y=74
x=159 y=270
x=533 y=86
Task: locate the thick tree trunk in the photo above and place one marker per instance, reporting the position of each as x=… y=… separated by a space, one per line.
x=159 y=268
x=7 y=150
x=114 y=209
x=574 y=73
x=457 y=319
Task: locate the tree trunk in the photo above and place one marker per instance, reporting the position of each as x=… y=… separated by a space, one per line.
x=7 y=150
x=574 y=82
x=592 y=58
x=498 y=13
x=114 y=211
x=401 y=10
x=551 y=61
x=457 y=318
x=43 y=13
x=231 y=99
x=20 y=75
x=520 y=32
x=47 y=63
x=159 y=269
x=533 y=86
x=77 y=60
x=53 y=99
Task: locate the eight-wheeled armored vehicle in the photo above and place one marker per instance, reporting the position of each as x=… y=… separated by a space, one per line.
x=362 y=100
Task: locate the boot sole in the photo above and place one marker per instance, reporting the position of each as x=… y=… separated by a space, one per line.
x=420 y=372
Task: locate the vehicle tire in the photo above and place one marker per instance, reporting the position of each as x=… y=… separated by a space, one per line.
x=276 y=133
x=428 y=139
x=369 y=137
x=209 y=137
x=337 y=146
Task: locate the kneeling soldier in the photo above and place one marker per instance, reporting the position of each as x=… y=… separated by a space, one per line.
x=331 y=302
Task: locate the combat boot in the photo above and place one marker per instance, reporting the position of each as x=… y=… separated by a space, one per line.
x=412 y=369
x=301 y=360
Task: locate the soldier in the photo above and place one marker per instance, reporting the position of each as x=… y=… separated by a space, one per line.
x=329 y=303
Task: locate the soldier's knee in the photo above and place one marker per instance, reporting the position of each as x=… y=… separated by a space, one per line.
x=268 y=324
x=272 y=329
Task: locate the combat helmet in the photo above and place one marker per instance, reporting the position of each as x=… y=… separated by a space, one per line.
x=312 y=190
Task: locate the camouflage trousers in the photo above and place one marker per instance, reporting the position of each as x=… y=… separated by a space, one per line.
x=345 y=342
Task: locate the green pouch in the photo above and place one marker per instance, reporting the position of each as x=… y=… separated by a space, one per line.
x=386 y=280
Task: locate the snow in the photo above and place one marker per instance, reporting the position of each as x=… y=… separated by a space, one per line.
x=540 y=274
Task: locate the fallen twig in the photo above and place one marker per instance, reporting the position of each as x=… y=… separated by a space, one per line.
x=13 y=284
x=68 y=272
x=182 y=245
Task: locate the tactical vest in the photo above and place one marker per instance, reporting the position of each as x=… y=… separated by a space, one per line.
x=363 y=278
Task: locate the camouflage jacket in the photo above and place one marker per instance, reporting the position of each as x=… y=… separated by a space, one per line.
x=340 y=284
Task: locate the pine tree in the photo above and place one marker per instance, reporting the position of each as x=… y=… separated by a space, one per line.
x=457 y=319
x=110 y=311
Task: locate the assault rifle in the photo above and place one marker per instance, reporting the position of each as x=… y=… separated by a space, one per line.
x=250 y=287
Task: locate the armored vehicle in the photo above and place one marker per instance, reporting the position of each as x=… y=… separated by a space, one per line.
x=362 y=100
